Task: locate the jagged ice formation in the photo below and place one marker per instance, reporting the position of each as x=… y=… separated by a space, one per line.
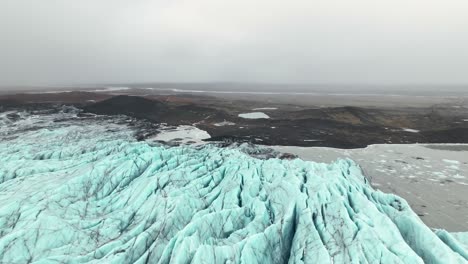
x=87 y=192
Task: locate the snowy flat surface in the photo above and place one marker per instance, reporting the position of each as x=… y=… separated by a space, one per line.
x=254 y=115
x=183 y=135
x=433 y=179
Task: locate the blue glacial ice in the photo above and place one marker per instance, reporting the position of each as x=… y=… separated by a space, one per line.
x=88 y=192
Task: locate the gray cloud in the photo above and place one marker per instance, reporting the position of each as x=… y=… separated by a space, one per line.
x=55 y=42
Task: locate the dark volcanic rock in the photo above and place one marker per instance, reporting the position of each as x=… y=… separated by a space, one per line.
x=154 y=110
x=340 y=127
x=129 y=105
x=454 y=135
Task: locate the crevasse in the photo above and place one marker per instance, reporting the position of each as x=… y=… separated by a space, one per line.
x=91 y=194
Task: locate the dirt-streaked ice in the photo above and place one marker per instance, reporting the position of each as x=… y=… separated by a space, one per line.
x=85 y=193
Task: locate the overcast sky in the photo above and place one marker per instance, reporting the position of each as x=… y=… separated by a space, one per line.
x=54 y=42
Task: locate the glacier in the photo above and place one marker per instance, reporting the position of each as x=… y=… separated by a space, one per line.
x=84 y=190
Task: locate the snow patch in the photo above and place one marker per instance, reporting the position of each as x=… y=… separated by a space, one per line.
x=410 y=130
x=265 y=108
x=183 y=135
x=254 y=115
x=224 y=123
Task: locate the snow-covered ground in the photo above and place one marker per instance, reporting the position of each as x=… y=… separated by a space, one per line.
x=182 y=135
x=432 y=178
x=254 y=115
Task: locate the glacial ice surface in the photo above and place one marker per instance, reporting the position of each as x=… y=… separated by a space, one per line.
x=89 y=193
